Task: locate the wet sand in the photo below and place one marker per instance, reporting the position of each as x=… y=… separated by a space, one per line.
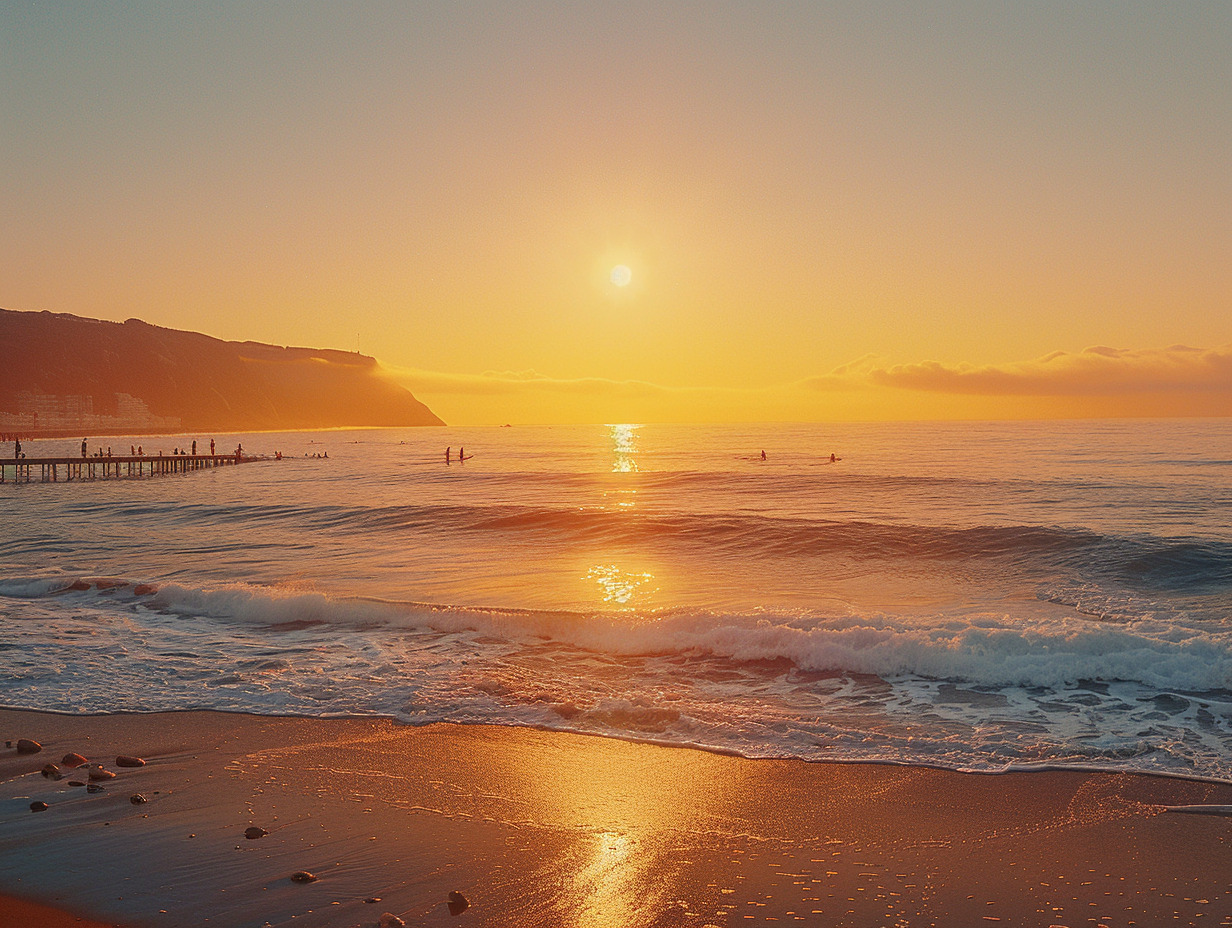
x=545 y=828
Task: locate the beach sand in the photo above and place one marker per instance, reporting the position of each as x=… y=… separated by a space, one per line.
x=547 y=828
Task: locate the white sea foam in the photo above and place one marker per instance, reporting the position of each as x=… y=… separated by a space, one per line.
x=976 y=692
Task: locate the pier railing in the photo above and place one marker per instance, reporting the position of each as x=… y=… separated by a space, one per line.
x=51 y=470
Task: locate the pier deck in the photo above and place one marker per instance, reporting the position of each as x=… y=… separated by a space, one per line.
x=51 y=470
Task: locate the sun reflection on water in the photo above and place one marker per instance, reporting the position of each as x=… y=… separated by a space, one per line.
x=624 y=447
x=619 y=586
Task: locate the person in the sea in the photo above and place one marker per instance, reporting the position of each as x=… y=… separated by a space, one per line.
x=832 y=457
x=462 y=454
x=763 y=455
x=447 y=451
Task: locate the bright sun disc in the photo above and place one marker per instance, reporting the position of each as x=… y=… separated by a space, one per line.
x=621 y=275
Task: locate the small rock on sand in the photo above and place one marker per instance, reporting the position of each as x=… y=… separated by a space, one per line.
x=458 y=903
x=389 y=920
x=73 y=760
x=93 y=788
x=52 y=772
x=137 y=799
x=26 y=746
x=99 y=772
x=303 y=876
x=128 y=760
x=38 y=807
x=253 y=832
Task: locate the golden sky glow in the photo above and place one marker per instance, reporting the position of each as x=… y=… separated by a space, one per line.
x=827 y=211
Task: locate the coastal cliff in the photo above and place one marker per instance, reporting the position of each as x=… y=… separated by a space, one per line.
x=65 y=373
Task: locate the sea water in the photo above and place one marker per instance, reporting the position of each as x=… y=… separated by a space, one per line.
x=982 y=596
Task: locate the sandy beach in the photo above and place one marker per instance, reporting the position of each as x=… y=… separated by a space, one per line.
x=545 y=828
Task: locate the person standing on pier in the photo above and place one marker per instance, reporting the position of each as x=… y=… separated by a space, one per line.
x=194 y=447
x=83 y=447
x=211 y=446
x=17 y=449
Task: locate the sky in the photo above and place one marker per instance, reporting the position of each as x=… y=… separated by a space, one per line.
x=828 y=211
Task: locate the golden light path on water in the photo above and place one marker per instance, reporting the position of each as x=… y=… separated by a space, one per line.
x=618 y=585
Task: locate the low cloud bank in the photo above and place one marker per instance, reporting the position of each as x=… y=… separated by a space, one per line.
x=1099 y=381
x=1097 y=371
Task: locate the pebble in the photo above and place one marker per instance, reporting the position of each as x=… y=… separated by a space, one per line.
x=303 y=876
x=73 y=760
x=76 y=783
x=93 y=788
x=127 y=760
x=137 y=799
x=389 y=920
x=458 y=903
x=253 y=832
x=52 y=772
x=26 y=746
x=38 y=807
x=99 y=772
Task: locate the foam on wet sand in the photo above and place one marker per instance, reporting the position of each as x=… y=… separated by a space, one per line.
x=549 y=828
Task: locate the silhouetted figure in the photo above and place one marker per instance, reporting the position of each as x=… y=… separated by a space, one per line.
x=109 y=451
x=17 y=449
x=139 y=451
x=447 y=451
x=194 y=447
x=83 y=447
x=462 y=455
x=211 y=446
x=832 y=457
x=763 y=455
x=132 y=451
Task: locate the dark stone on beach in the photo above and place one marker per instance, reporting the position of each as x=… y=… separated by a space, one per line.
x=93 y=788
x=127 y=760
x=26 y=746
x=137 y=799
x=253 y=832
x=99 y=772
x=76 y=783
x=52 y=772
x=38 y=807
x=389 y=920
x=73 y=760
x=372 y=899
x=303 y=876
x=457 y=903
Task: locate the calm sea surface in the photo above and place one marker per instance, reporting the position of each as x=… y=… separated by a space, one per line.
x=979 y=596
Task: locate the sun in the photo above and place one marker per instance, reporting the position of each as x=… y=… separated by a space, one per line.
x=621 y=275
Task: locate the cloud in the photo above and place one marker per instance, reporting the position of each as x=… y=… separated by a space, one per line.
x=1098 y=382
x=1097 y=371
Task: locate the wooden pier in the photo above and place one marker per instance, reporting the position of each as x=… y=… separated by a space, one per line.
x=51 y=470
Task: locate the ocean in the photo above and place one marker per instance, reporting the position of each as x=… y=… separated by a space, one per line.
x=976 y=596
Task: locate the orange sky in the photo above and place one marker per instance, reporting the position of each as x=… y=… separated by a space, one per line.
x=830 y=211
